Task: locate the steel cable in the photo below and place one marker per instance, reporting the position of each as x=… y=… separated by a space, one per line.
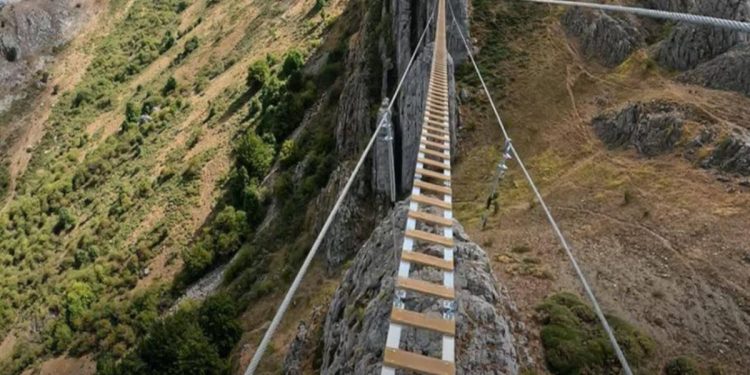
x=253 y=366
x=553 y=223
x=674 y=16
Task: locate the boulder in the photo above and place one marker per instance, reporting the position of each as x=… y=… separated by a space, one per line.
x=729 y=71
x=608 y=38
x=652 y=128
x=689 y=44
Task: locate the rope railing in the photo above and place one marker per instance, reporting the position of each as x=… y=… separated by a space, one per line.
x=653 y=13
x=556 y=228
x=263 y=346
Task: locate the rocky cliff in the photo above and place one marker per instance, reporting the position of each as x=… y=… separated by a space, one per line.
x=356 y=323
x=660 y=127
x=378 y=56
x=30 y=31
x=710 y=56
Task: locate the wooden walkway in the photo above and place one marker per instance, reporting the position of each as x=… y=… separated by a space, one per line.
x=429 y=224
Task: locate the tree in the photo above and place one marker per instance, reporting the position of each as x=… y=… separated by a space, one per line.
x=217 y=318
x=255 y=155
x=177 y=345
x=170 y=86
x=77 y=300
x=293 y=62
x=257 y=75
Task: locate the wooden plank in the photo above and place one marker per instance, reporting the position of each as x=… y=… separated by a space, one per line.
x=427 y=260
x=434 y=163
x=442 y=124
x=436 y=115
x=429 y=237
x=425 y=287
x=402 y=359
x=441 y=146
x=433 y=153
x=438 y=110
x=432 y=187
x=419 y=198
x=430 y=218
x=435 y=137
x=417 y=320
x=435 y=130
x=436 y=175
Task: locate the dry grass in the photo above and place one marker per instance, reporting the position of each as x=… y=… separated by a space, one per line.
x=638 y=225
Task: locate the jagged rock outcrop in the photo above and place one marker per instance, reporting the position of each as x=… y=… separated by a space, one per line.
x=29 y=31
x=729 y=71
x=356 y=324
x=355 y=124
x=608 y=38
x=652 y=128
x=689 y=45
x=732 y=154
x=657 y=127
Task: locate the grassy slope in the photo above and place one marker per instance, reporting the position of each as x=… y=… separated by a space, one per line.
x=99 y=204
x=657 y=237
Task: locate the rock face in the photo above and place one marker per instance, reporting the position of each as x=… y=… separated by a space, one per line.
x=729 y=71
x=356 y=324
x=607 y=38
x=657 y=127
x=689 y=45
x=732 y=154
x=653 y=128
x=29 y=31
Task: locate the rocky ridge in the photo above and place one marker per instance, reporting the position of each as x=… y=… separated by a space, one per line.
x=710 y=56
x=356 y=324
x=659 y=127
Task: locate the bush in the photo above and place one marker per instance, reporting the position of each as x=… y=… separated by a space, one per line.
x=11 y=54
x=255 y=155
x=170 y=86
x=293 y=62
x=257 y=75
x=575 y=343
x=681 y=366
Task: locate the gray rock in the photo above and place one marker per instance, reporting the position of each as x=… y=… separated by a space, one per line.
x=30 y=31
x=652 y=128
x=729 y=71
x=605 y=37
x=356 y=324
x=689 y=44
x=732 y=154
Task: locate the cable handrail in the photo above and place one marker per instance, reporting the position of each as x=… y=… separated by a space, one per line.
x=255 y=362
x=654 y=13
x=550 y=218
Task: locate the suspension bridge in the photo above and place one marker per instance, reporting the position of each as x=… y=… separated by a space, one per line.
x=428 y=236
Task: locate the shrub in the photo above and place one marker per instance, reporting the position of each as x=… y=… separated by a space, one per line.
x=320 y=4
x=257 y=75
x=11 y=54
x=255 y=155
x=293 y=62
x=217 y=319
x=575 y=343
x=681 y=366
x=167 y=42
x=170 y=86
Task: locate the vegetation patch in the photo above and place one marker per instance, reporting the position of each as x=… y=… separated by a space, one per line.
x=575 y=343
